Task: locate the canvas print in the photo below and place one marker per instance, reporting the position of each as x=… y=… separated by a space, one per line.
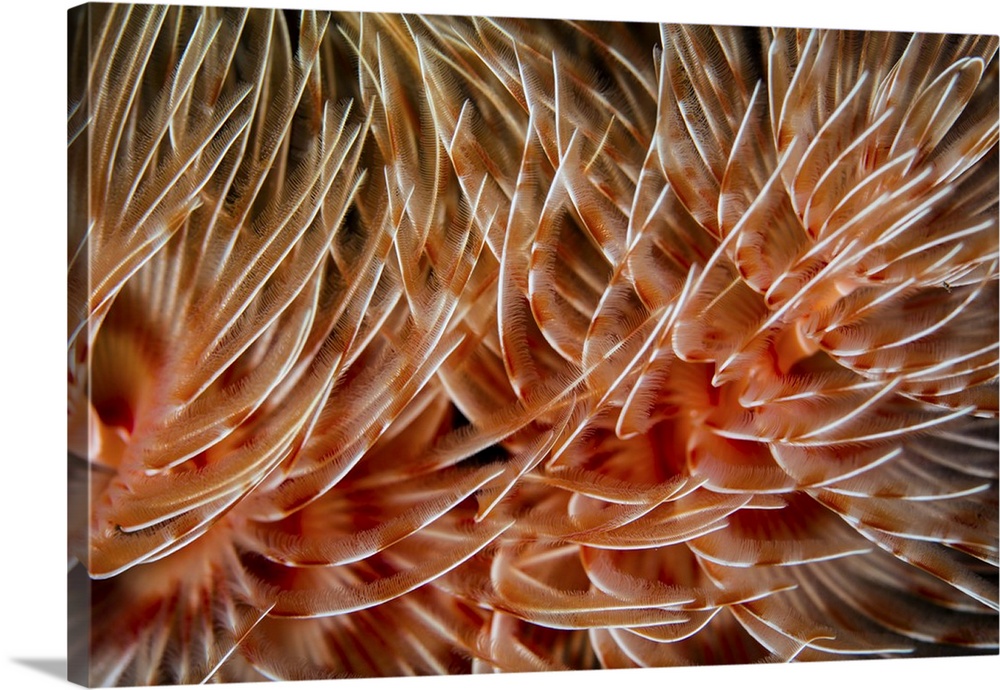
x=416 y=344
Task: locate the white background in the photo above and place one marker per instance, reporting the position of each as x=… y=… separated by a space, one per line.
x=32 y=335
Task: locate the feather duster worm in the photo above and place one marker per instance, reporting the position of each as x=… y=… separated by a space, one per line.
x=408 y=345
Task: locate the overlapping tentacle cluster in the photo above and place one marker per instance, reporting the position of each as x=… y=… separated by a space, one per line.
x=436 y=345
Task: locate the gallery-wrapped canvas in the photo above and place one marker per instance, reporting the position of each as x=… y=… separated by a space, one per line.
x=418 y=344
